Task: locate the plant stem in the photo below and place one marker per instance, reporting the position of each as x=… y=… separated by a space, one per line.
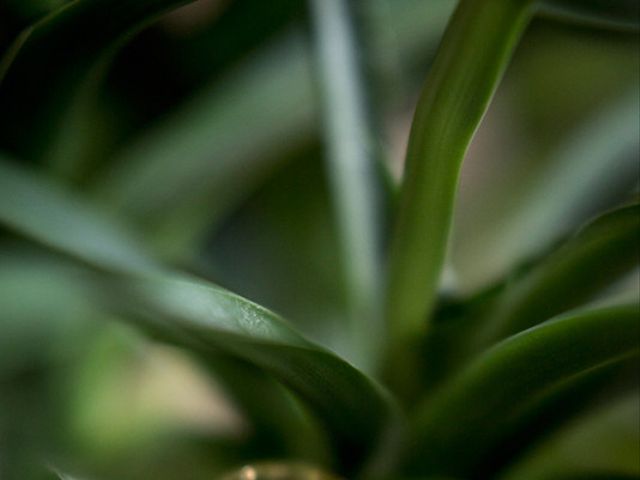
x=474 y=53
x=355 y=183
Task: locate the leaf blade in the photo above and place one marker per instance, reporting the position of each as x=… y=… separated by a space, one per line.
x=601 y=252
x=473 y=55
x=502 y=382
x=71 y=47
x=356 y=183
x=357 y=412
x=51 y=216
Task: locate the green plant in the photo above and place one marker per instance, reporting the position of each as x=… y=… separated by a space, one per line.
x=434 y=385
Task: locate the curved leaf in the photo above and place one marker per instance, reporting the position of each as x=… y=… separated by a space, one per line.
x=213 y=149
x=617 y=13
x=594 y=159
x=606 y=440
x=358 y=414
x=51 y=216
x=472 y=57
x=479 y=407
x=209 y=319
x=45 y=320
x=40 y=312
x=69 y=47
x=208 y=138
x=592 y=260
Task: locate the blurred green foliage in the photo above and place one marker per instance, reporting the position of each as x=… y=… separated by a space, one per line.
x=157 y=155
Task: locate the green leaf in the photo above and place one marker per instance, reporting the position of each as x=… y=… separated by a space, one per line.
x=472 y=57
x=61 y=221
x=209 y=320
x=45 y=319
x=618 y=13
x=481 y=406
x=354 y=175
x=71 y=48
x=606 y=440
x=280 y=426
x=589 y=164
x=208 y=135
x=10 y=54
x=40 y=312
x=600 y=253
x=606 y=475
x=49 y=214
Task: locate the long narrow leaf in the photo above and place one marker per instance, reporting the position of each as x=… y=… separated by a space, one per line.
x=63 y=222
x=214 y=150
x=482 y=405
x=618 y=14
x=356 y=182
x=207 y=137
x=599 y=254
x=473 y=55
x=44 y=306
x=67 y=47
x=606 y=441
x=594 y=159
x=208 y=319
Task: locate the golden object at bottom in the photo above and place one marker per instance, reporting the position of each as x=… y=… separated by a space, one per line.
x=278 y=471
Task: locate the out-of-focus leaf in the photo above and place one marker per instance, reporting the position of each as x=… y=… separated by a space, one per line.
x=207 y=319
x=64 y=476
x=595 y=157
x=473 y=54
x=208 y=135
x=555 y=409
x=606 y=475
x=474 y=411
x=295 y=242
x=279 y=425
x=63 y=222
x=602 y=444
x=40 y=313
x=70 y=48
x=599 y=254
x=357 y=413
x=7 y=57
x=356 y=181
x=618 y=13
x=30 y=10
x=207 y=138
x=587 y=264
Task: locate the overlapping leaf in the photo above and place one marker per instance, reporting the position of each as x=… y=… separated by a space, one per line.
x=598 y=255
x=202 y=317
x=71 y=48
x=619 y=13
x=486 y=403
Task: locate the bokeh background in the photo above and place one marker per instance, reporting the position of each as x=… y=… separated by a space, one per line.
x=202 y=132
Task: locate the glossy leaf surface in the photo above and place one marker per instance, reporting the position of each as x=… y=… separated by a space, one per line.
x=511 y=379
x=205 y=318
